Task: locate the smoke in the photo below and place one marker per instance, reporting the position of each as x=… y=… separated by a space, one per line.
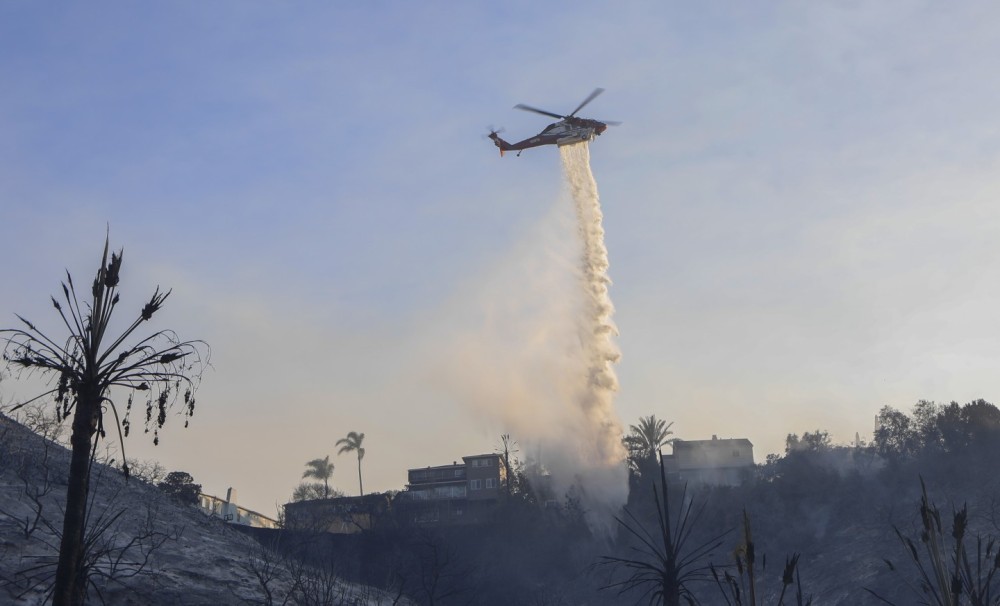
x=532 y=350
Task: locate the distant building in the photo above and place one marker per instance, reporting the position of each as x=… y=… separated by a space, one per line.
x=230 y=512
x=716 y=462
x=339 y=515
x=457 y=493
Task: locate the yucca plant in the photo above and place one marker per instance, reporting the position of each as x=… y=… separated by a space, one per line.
x=946 y=574
x=663 y=569
x=85 y=366
x=742 y=589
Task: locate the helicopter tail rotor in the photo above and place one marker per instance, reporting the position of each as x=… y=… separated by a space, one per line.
x=500 y=143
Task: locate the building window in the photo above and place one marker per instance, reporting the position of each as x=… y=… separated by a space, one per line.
x=458 y=473
x=476 y=484
x=491 y=483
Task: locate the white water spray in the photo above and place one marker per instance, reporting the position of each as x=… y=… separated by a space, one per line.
x=597 y=328
x=530 y=349
x=596 y=396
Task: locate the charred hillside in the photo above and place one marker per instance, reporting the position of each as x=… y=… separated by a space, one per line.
x=143 y=546
x=856 y=515
x=859 y=524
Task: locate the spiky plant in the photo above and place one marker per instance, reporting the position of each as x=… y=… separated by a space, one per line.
x=85 y=366
x=663 y=568
x=743 y=588
x=948 y=573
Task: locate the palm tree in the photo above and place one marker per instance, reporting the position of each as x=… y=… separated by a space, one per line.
x=320 y=469
x=646 y=438
x=350 y=444
x=86 y=363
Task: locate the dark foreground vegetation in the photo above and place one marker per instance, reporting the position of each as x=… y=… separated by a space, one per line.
x=83 y=361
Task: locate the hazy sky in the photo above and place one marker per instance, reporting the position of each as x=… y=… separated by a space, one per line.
x=800 y=208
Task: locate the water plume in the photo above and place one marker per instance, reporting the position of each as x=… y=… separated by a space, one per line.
x=596 y=393
x=597 y=328
x=532 y=350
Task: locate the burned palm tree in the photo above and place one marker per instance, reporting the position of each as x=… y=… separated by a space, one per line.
x=85 y=366
x=507 y=446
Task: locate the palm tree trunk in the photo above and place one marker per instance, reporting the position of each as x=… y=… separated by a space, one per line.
x=70 y=584
x=361 y=485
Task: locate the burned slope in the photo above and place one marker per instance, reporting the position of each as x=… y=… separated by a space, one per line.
x=142 y=547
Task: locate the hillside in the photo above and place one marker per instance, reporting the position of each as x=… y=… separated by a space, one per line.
x=837 y=507
x=151 y=550
x=840 y=507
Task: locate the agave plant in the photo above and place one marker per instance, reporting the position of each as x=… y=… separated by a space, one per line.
x=87 y=365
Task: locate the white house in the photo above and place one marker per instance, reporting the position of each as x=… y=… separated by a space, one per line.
x=232 y=513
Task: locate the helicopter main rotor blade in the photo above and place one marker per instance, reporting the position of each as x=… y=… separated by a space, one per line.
x=590 y=98
x=528 y=108
x=611 y=122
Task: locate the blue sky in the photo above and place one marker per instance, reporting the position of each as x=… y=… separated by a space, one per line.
x=800 y=207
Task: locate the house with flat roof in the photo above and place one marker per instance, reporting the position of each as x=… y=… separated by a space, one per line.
x=339 y=515
x=717 y=462
x=458 y=493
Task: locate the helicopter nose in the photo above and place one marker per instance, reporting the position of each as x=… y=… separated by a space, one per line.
x=601 y=128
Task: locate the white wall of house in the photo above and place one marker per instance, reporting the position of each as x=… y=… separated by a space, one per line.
x=228 y=510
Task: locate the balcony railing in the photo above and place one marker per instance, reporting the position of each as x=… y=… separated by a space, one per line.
x=436 y=475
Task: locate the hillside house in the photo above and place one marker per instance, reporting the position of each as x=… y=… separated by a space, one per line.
x=717 y=462
x=230 y=512
x=339 y=515
x=451 y=494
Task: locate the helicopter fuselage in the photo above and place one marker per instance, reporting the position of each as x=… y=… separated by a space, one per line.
x=568 y=130
x=563 y=132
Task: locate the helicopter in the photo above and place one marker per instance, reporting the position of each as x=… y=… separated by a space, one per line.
x=569 y=129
